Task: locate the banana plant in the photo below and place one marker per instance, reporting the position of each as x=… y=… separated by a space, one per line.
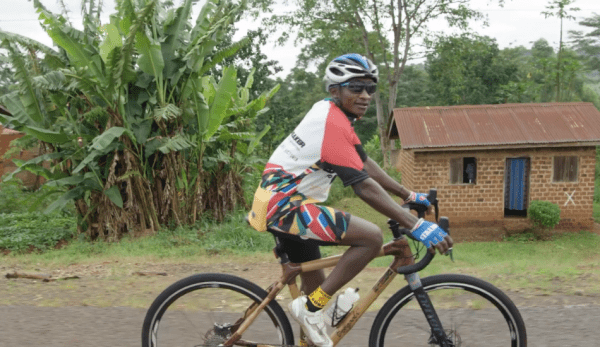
x=135 y=129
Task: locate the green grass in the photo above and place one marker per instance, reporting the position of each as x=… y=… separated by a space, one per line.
x=208 y=238
x=597 y=212
x=514 y=261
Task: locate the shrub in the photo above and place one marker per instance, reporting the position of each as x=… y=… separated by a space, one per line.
x=21 y=232
x=15 y=198
x=544 y=214
x=373 y=149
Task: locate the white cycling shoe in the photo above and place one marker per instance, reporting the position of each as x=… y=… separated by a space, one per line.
x=313 y=323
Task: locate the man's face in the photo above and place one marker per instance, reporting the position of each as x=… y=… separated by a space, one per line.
x=354 y=102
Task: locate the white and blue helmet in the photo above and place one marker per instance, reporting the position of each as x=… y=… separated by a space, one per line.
x=348 y=66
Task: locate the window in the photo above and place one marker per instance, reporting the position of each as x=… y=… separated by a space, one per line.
x=565 y=169
x=463 y=170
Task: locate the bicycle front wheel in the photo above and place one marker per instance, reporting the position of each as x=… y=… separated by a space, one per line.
x=205 y=310
x=472 y=312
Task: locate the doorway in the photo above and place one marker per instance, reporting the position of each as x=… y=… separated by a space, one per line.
x=516 y=189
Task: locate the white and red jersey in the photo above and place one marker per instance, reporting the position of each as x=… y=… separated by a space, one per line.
x=323 y=146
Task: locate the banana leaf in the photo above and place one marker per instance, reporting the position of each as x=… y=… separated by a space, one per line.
x=73 y=194
x=174 y=29
x=223 y=98
x=45 y=135
x=151 y=58
x=257 y=139
x=113 y=40
x=114 y=195
x=29 y=95
x=15 y=107
x=104 y=140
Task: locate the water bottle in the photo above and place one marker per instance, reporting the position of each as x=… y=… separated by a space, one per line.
x=340 y=307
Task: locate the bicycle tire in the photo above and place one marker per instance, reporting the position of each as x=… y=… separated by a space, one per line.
x=487 y=312
x=192 y=296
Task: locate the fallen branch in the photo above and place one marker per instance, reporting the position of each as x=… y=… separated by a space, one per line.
x=44 y=278
x=149 y=273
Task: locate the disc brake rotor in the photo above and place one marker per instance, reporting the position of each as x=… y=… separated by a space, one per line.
x=216 y=335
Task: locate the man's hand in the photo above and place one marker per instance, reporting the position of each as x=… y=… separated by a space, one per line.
x=432 y=235
x=421 y=199
x=418 y=198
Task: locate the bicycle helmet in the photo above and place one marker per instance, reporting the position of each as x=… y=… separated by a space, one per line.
x=348 y=66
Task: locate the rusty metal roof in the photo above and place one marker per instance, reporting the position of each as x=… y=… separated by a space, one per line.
x=496 y=125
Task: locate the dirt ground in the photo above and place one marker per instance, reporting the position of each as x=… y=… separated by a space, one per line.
x=105 y=305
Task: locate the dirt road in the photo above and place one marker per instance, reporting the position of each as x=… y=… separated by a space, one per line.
x=121 y=326
x=107 y=304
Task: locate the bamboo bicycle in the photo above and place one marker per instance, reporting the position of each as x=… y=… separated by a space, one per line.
x=213 y=309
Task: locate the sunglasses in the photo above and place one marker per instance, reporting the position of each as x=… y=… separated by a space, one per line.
x=357 y=87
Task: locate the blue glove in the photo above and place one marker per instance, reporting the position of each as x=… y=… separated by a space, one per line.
x=418 y=198
x=428 y=233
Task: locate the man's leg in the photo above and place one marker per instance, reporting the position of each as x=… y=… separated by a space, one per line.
x=365 y=240
x=311 y=280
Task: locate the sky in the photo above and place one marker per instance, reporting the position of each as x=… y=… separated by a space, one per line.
x=518 y=23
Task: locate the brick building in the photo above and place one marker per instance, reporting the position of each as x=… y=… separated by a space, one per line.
x=7 y=165
x=489 y=161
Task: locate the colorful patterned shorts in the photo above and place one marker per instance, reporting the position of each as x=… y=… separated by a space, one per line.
x=307 y=220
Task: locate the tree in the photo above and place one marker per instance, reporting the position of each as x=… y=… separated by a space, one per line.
x=362 y=26
x=136 y=130
x=414 y=88
x=537 y=71
x=522 y=88
x=300 y=90
x=250 y=57
x=588 y=44
x=558 y=8
x=467 y=70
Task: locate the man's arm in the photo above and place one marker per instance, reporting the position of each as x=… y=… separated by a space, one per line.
x=373 y=194
x=385 y=180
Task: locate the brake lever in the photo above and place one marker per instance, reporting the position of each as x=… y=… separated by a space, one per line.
x=444 y=223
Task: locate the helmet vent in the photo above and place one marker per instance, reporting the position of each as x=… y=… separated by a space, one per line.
x=336 y=71
x=355 y=70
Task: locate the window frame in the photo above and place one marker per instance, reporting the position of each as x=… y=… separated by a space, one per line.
x=462 y=174
x=565 y=172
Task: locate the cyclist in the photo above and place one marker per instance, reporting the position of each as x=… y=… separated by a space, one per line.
x=299 y=174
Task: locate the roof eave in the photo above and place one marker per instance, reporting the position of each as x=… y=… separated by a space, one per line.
x=504 y=146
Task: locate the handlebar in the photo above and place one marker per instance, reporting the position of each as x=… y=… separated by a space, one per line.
x=397 y=231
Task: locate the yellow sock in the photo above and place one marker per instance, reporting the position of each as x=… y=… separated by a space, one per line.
x=317 y=300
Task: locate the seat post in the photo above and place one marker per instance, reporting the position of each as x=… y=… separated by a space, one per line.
x=279 y=252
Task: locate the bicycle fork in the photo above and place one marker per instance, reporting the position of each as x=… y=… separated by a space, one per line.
x=438 y=335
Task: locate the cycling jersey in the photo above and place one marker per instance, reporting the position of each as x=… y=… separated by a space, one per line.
x=300 y=173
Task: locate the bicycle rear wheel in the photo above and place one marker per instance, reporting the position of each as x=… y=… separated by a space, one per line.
x=202 y=310
x=473 y=313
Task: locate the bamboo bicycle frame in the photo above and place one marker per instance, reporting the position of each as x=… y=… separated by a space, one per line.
x=398 y=248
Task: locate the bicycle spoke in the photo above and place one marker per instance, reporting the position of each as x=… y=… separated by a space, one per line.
x=472 y=313
x=207 y=315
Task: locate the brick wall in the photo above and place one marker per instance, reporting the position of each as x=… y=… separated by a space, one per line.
x=482 y=204
x=405 y=164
